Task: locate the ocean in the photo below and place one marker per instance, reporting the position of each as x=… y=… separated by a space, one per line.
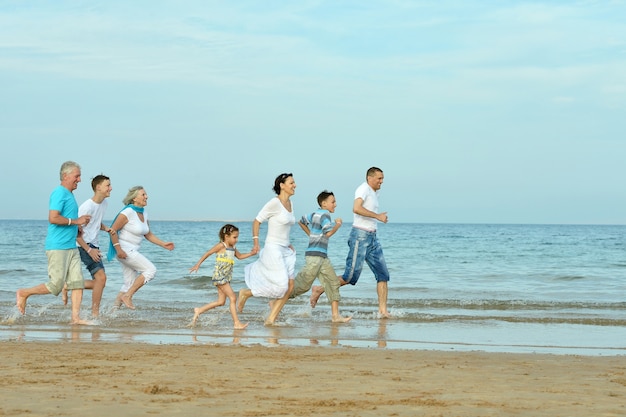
x=463 y=287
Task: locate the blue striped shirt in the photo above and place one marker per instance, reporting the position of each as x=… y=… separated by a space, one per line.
x=319 y=223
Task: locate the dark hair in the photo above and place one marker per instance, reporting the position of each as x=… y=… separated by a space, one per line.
x=227 y=230
x=372 y=171
x=280 y=180
x=95 y=181
x=321 y=197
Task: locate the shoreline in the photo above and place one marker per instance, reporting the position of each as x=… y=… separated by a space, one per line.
x=284 y=336
x=90 y=379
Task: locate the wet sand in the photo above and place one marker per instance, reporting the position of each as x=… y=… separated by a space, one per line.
x=98 y=378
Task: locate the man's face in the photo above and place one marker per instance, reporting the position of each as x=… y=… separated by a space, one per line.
x=376 y=181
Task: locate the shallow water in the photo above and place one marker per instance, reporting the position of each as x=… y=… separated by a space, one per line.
x=517 y=288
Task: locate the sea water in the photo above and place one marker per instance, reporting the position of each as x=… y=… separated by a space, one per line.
x=488 y=287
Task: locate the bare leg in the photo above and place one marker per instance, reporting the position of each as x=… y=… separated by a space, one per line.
x=244 y=294
x=316 y=292
x=118 y=299
x=97 y=285
x=278 y=305
x=227 y=291
x=381 y=289
x=77 y=298
x=127 y=298
x=337 y=318
x=23 y=293
x=221 y=300
x=64 y=295
x=196 y=313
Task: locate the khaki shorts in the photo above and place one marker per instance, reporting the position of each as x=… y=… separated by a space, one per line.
x=64 y=268
x=322 y=269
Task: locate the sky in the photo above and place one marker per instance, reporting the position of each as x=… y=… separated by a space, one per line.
x=476 y=111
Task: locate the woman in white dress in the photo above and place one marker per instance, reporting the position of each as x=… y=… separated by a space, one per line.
x=272 y=274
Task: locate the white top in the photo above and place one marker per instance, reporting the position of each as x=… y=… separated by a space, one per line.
x=279 y=221
x=92 y=229
x=133 y=232
x=370 y=202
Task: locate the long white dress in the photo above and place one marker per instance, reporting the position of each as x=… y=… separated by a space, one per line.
x=269 y=275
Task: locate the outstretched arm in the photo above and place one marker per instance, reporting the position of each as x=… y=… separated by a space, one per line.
x=204 y=257
x=151 y=237
x=240 y=255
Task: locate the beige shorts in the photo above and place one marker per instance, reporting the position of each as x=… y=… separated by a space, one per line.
x=64 y=268
x=322 y=269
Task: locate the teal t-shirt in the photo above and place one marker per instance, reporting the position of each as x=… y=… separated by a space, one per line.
x=62 y=236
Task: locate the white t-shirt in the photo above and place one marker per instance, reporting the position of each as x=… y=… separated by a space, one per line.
x=133 y=232
x=370 y=202
x=279 y=221
x=96 y=211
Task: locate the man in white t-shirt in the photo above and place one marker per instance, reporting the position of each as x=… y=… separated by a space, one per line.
x=363 y=243
x=87 y=242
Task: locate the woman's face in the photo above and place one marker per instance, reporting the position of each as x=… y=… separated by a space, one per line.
x=289 y=186
x=141 y=199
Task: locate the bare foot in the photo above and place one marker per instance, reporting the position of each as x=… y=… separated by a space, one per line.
x=83 y=322
x=340 y=319
x=385 y=315
x=64 y=295
x=128 y=301
x=196 y=314
x=118 y=301
x=268 y=323
x=239 y=325
x=20 y=301
x=241 y=300
x=316 y=292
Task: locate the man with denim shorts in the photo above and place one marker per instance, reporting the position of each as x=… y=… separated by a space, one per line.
x=64 y=266
x=363 y=243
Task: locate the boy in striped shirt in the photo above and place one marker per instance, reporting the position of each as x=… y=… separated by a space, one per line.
x=320 y=227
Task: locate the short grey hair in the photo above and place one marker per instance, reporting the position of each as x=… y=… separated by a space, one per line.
x=67 y=168
x=132 y=193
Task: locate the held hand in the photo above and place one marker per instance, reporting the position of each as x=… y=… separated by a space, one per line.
x=338 y=221
x=95 y=254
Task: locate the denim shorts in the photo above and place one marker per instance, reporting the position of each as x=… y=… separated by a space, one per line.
x=364 y=247
x=92 y=266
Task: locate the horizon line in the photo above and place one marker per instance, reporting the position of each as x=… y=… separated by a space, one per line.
x=395 y=222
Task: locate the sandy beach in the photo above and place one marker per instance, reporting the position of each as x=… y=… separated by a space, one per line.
x=96 y=379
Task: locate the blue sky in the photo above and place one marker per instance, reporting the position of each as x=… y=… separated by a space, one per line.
x=477 y=111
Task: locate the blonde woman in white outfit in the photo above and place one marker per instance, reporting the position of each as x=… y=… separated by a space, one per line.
x=272 y=274
x=131 y=225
